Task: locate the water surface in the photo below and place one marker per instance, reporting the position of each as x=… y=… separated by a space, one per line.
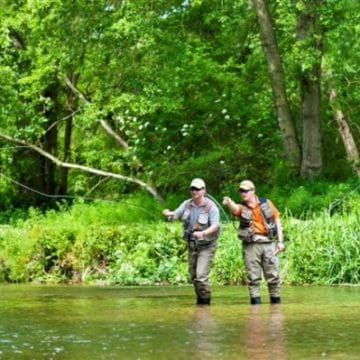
x=78 y=322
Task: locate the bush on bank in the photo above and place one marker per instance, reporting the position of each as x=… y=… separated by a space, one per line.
x=93 y=244
x=325 y=249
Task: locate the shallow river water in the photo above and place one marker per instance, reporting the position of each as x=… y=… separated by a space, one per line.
x=82 y=322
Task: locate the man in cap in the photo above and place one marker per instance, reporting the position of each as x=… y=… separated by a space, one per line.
x=259 y=227
x=201 y=225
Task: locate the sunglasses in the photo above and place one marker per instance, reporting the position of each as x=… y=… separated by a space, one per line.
x=195 y=189
x=245 y=191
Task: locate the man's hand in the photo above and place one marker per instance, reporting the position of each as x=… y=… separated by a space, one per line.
x=169 y=214
x=227 y=201
x=199 y=235
x=279 y=247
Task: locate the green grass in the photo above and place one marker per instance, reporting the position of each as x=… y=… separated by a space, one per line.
x=129 y=244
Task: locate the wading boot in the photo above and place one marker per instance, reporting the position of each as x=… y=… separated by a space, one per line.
x=275 y=300
x=255 y=301
x=203 y=301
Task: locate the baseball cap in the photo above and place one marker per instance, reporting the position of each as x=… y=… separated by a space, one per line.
x=247 y=185
x=197 y=183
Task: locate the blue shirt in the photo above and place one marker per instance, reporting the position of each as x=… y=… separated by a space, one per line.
x=214 y=214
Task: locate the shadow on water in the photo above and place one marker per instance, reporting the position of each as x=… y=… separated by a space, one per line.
x=74 y=322
x=264 y=334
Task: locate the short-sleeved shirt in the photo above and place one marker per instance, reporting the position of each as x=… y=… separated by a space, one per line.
x=258 y=220
x=214 y=214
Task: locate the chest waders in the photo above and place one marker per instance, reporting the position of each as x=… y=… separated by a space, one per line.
x=201 y=223
x=200 y=252
x=246 y=232
x=258 y=252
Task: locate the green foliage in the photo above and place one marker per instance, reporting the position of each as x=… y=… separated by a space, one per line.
x=302 y=199
x=180 y=94
x=228 y=268
x=185 y=85
x=324 y=249
x=102 y=244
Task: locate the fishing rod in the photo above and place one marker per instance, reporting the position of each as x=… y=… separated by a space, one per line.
x=335 y=204
x=338 y=202
x=88 y=198
x=219 y=206
x=55 y=196
x=332 y=207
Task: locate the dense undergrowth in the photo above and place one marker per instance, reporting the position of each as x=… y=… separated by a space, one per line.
x=105 y=243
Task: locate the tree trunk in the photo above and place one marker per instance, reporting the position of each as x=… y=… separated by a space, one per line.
x=49 y=141
x=64 y=172
x=63 y=183
x=285 y=120
x=309 y=31
x=347 y=137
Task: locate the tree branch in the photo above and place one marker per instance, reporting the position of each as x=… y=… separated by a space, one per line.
x=88 y=169
x=112 y=133
x=75 y=90
x=103 y=123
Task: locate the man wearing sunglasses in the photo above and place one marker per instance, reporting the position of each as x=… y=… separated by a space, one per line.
x=201 y=224
x=259 y=227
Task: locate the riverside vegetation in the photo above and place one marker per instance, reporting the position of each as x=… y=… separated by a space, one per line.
x=127 y=243
x=123 y=99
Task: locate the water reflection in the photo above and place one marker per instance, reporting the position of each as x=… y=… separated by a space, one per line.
x=264 y=333
x=203 y=327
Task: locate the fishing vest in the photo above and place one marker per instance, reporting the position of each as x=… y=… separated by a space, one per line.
x=201 y=223
x=246 y=232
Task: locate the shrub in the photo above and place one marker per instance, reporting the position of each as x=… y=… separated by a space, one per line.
x=93 y=244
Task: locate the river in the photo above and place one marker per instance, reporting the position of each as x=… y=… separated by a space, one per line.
x=86 y=322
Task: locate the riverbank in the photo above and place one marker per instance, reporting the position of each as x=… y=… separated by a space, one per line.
x=97 y=244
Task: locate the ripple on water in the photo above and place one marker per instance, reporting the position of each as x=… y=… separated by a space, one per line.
x=311 y=323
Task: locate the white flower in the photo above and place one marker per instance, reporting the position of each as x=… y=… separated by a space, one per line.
x=223 y=111
x=118 y=253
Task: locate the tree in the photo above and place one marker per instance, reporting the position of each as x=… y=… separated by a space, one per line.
x=164 y=90
x=309 y=35
x=275 y=69
x=341 y=77
x=38 y=64
x=310 y=42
